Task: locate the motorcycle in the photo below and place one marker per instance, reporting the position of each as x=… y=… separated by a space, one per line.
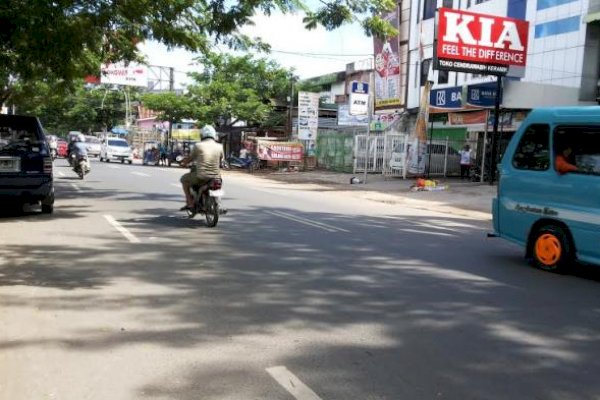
x=250 y=163
x=207 y=201
x=53 y=154
x=81 y=166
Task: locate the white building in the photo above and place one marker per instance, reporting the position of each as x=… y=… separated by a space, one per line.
x=563 y=60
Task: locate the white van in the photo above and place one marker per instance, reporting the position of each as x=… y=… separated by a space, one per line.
x=115 y=149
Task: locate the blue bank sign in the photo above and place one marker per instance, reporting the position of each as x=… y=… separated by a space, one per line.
x=459 y=98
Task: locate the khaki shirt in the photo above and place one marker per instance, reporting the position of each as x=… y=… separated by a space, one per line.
x=207 y=155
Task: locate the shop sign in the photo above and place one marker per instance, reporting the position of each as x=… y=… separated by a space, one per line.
x=479 y=43
x=447 y=99
x=308 y=115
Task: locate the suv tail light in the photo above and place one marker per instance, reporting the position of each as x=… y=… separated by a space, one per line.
x=47 y=165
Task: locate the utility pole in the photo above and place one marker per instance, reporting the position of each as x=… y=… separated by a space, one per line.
x=171 y=89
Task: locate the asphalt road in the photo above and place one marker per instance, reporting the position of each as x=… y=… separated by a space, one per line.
x=298 y=293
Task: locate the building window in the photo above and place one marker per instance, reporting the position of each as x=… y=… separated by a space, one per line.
x=429 y=8
x=425 y=70
x=473 y=2
x=447 y=3
x=533 y=150
x=557 y=27
x=442 y=77
x=543 y=4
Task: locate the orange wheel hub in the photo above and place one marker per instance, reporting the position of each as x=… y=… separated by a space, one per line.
x=548 y=249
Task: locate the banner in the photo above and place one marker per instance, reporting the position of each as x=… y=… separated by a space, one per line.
x=480 y=43
x=345 y=119
x=185 y=134
x=468 y=118
x=280 y=151
x=418 y=148
x=119 y=74
x=308 y=115
x=387 y=68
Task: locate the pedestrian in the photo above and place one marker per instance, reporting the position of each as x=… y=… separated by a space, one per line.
x=465 y=162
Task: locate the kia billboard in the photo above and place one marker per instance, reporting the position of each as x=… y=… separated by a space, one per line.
x=480 y=43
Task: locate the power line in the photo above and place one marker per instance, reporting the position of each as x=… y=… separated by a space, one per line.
x=299 y=53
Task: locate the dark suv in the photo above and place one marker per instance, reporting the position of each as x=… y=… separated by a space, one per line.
x=25 y=163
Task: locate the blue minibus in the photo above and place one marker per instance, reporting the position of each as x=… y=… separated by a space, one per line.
x=548 y=197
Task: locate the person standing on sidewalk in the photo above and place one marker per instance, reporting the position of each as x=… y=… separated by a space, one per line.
x=465 y=162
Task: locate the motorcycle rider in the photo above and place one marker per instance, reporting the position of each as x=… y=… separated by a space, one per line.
x=78 y=149
x=207 y=155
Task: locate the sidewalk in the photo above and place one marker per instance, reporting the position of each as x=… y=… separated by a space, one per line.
x=461 y=198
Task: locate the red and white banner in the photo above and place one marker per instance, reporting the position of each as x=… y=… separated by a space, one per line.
x=280 y=151
x=482 y=43
x=119 y=74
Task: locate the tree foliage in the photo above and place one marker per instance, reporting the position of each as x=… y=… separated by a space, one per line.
x=230 y=89
x=239 y=88
x=67 y=39
x=79 y=109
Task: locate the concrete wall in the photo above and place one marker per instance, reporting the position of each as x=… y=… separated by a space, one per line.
x=527 y=95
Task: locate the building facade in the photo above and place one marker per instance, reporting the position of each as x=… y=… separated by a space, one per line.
x=563 y=55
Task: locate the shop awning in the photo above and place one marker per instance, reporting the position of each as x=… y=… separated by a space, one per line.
x=592 y=17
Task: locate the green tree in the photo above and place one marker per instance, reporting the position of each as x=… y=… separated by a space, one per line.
x=63 y=110
x=239 y=88
x=169 y=106
x=67 y=39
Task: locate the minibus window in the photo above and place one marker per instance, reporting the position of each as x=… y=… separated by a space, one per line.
x=579 y=147
x=533 y=150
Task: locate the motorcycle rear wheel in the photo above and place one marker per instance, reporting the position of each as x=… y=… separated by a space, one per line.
x=212 y=212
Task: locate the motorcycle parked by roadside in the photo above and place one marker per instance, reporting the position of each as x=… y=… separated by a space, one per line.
x=250 y=163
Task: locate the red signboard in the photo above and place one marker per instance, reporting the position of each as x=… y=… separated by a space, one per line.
x=480 y=43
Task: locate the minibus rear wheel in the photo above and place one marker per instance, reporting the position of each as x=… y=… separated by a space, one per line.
x=551 y=249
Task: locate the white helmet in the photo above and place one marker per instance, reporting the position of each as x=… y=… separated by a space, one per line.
x=208 y=132
x=80 y=138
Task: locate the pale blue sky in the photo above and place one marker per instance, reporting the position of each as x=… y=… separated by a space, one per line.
x=286 y=33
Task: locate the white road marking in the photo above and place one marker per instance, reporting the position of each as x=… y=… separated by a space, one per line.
x=140 y=173
x=60 y=173
x=176 y=185
x=122 y=229
x=306 y=221
x=75 y=187
x=292 y=384
x=114 y=167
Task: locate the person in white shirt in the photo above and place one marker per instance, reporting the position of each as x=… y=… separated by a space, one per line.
x=465 y=162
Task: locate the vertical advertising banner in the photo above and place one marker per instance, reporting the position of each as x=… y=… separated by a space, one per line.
x=387 y=68
x=417 y=149
x=308 y=115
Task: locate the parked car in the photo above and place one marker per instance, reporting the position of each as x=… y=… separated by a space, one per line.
x=62 y=148
x=113 y=148
x=93 y=145
x=25 y=163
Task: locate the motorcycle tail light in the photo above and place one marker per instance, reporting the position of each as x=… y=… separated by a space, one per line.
x=216 y=184
x=47 y=165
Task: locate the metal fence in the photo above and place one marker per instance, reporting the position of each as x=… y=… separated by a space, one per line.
x=369 y=152
x=335 y=150
x=394 y=155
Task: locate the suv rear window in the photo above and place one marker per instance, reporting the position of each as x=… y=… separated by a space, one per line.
x=118 y=143
x=17 y=131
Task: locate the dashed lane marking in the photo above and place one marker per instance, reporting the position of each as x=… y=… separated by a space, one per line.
x=292 y=384
x=124 y=231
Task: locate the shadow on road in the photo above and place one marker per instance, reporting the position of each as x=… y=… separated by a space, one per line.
x=433 y=307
